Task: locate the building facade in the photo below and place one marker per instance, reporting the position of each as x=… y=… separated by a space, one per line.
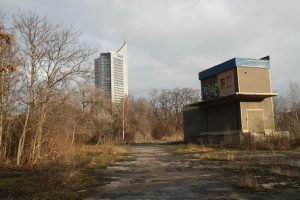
x=236 y=99
x=111 y=74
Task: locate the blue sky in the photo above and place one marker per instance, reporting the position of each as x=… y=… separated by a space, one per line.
x=169 y=41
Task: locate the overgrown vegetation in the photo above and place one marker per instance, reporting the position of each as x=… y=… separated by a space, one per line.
x=287 y=112
x=63 y=180
x=54 y=124
x=270 y=142
x=249 y=183
x=49 y=104
x=167 y=108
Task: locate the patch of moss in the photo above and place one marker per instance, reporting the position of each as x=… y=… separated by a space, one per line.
x=5 y=182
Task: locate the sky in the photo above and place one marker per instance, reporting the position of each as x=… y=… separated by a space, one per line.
x=170 y=41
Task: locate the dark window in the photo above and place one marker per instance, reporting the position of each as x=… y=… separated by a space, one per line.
x=229 y=81
x=222 y=83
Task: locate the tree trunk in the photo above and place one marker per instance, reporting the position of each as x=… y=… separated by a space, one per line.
x=73 y=135
x=1 y=106
x=38 y=136
x=123 y=119
x=99 y=140
x=123 y=131
x=22 y=138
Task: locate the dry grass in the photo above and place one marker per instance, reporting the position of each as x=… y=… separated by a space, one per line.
x=230 y=156
x=60 y=180
x=143 y=138
x=176 y=136
x=198 y=148
x=206 y=152
x=294 y=163
x=238 y=165
x=99 y=155
x=281 y=171
x=108 y=149
x=216 y=156
x=271 y=142
x=148 y=138
x=249 y=183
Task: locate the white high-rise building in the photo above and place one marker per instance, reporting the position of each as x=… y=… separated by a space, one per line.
x=111 y=74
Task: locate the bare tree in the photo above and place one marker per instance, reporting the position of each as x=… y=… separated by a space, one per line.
x=287 y=111
x=293 y=96
x=280 y=106
x=53 y=58
x=293 y=115
x=101 y=114
x=139 y=117
x=168 y=106
x=5 y=43
x=33 y=32
x=7 y=66
x=121 y=111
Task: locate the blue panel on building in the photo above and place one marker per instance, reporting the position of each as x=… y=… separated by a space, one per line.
x=235 y=62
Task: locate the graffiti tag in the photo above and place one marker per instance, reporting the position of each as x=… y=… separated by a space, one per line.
x=211 y=91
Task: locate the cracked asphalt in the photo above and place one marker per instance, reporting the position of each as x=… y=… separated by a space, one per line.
x=156 y=171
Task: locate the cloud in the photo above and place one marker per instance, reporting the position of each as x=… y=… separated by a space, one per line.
x=169 y=40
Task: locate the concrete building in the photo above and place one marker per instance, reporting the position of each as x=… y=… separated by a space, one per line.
x=111 y=74
x=236 y=99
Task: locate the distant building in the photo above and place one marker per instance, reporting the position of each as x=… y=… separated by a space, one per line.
x=111 y=74
x=236 y=99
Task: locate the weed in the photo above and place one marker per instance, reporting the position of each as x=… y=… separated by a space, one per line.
x=140 y=138
x=216 y=156
x=281 y=171
x=249 y=182
x=176 y=136
x=60 y=180
x=192 y=148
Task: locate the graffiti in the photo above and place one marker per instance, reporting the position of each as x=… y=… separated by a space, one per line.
x=211 y=91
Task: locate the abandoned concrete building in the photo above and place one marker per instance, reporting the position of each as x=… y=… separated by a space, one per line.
x=236 y=99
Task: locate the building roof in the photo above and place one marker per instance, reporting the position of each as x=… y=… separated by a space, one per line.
x=235 y=62
x=238 y=96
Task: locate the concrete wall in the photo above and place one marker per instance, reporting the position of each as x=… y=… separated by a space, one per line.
x=220 y=118
x=256 y=116
x=195 y=120
x=226 y=82
x=223 y=117
x=265 y=106
x=252 y=79
x=210 y=88
x=220 y=85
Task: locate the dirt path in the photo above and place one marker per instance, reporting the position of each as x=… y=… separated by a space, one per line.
x=156 y=171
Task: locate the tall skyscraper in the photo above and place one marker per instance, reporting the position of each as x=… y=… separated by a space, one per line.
x=111 y=74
